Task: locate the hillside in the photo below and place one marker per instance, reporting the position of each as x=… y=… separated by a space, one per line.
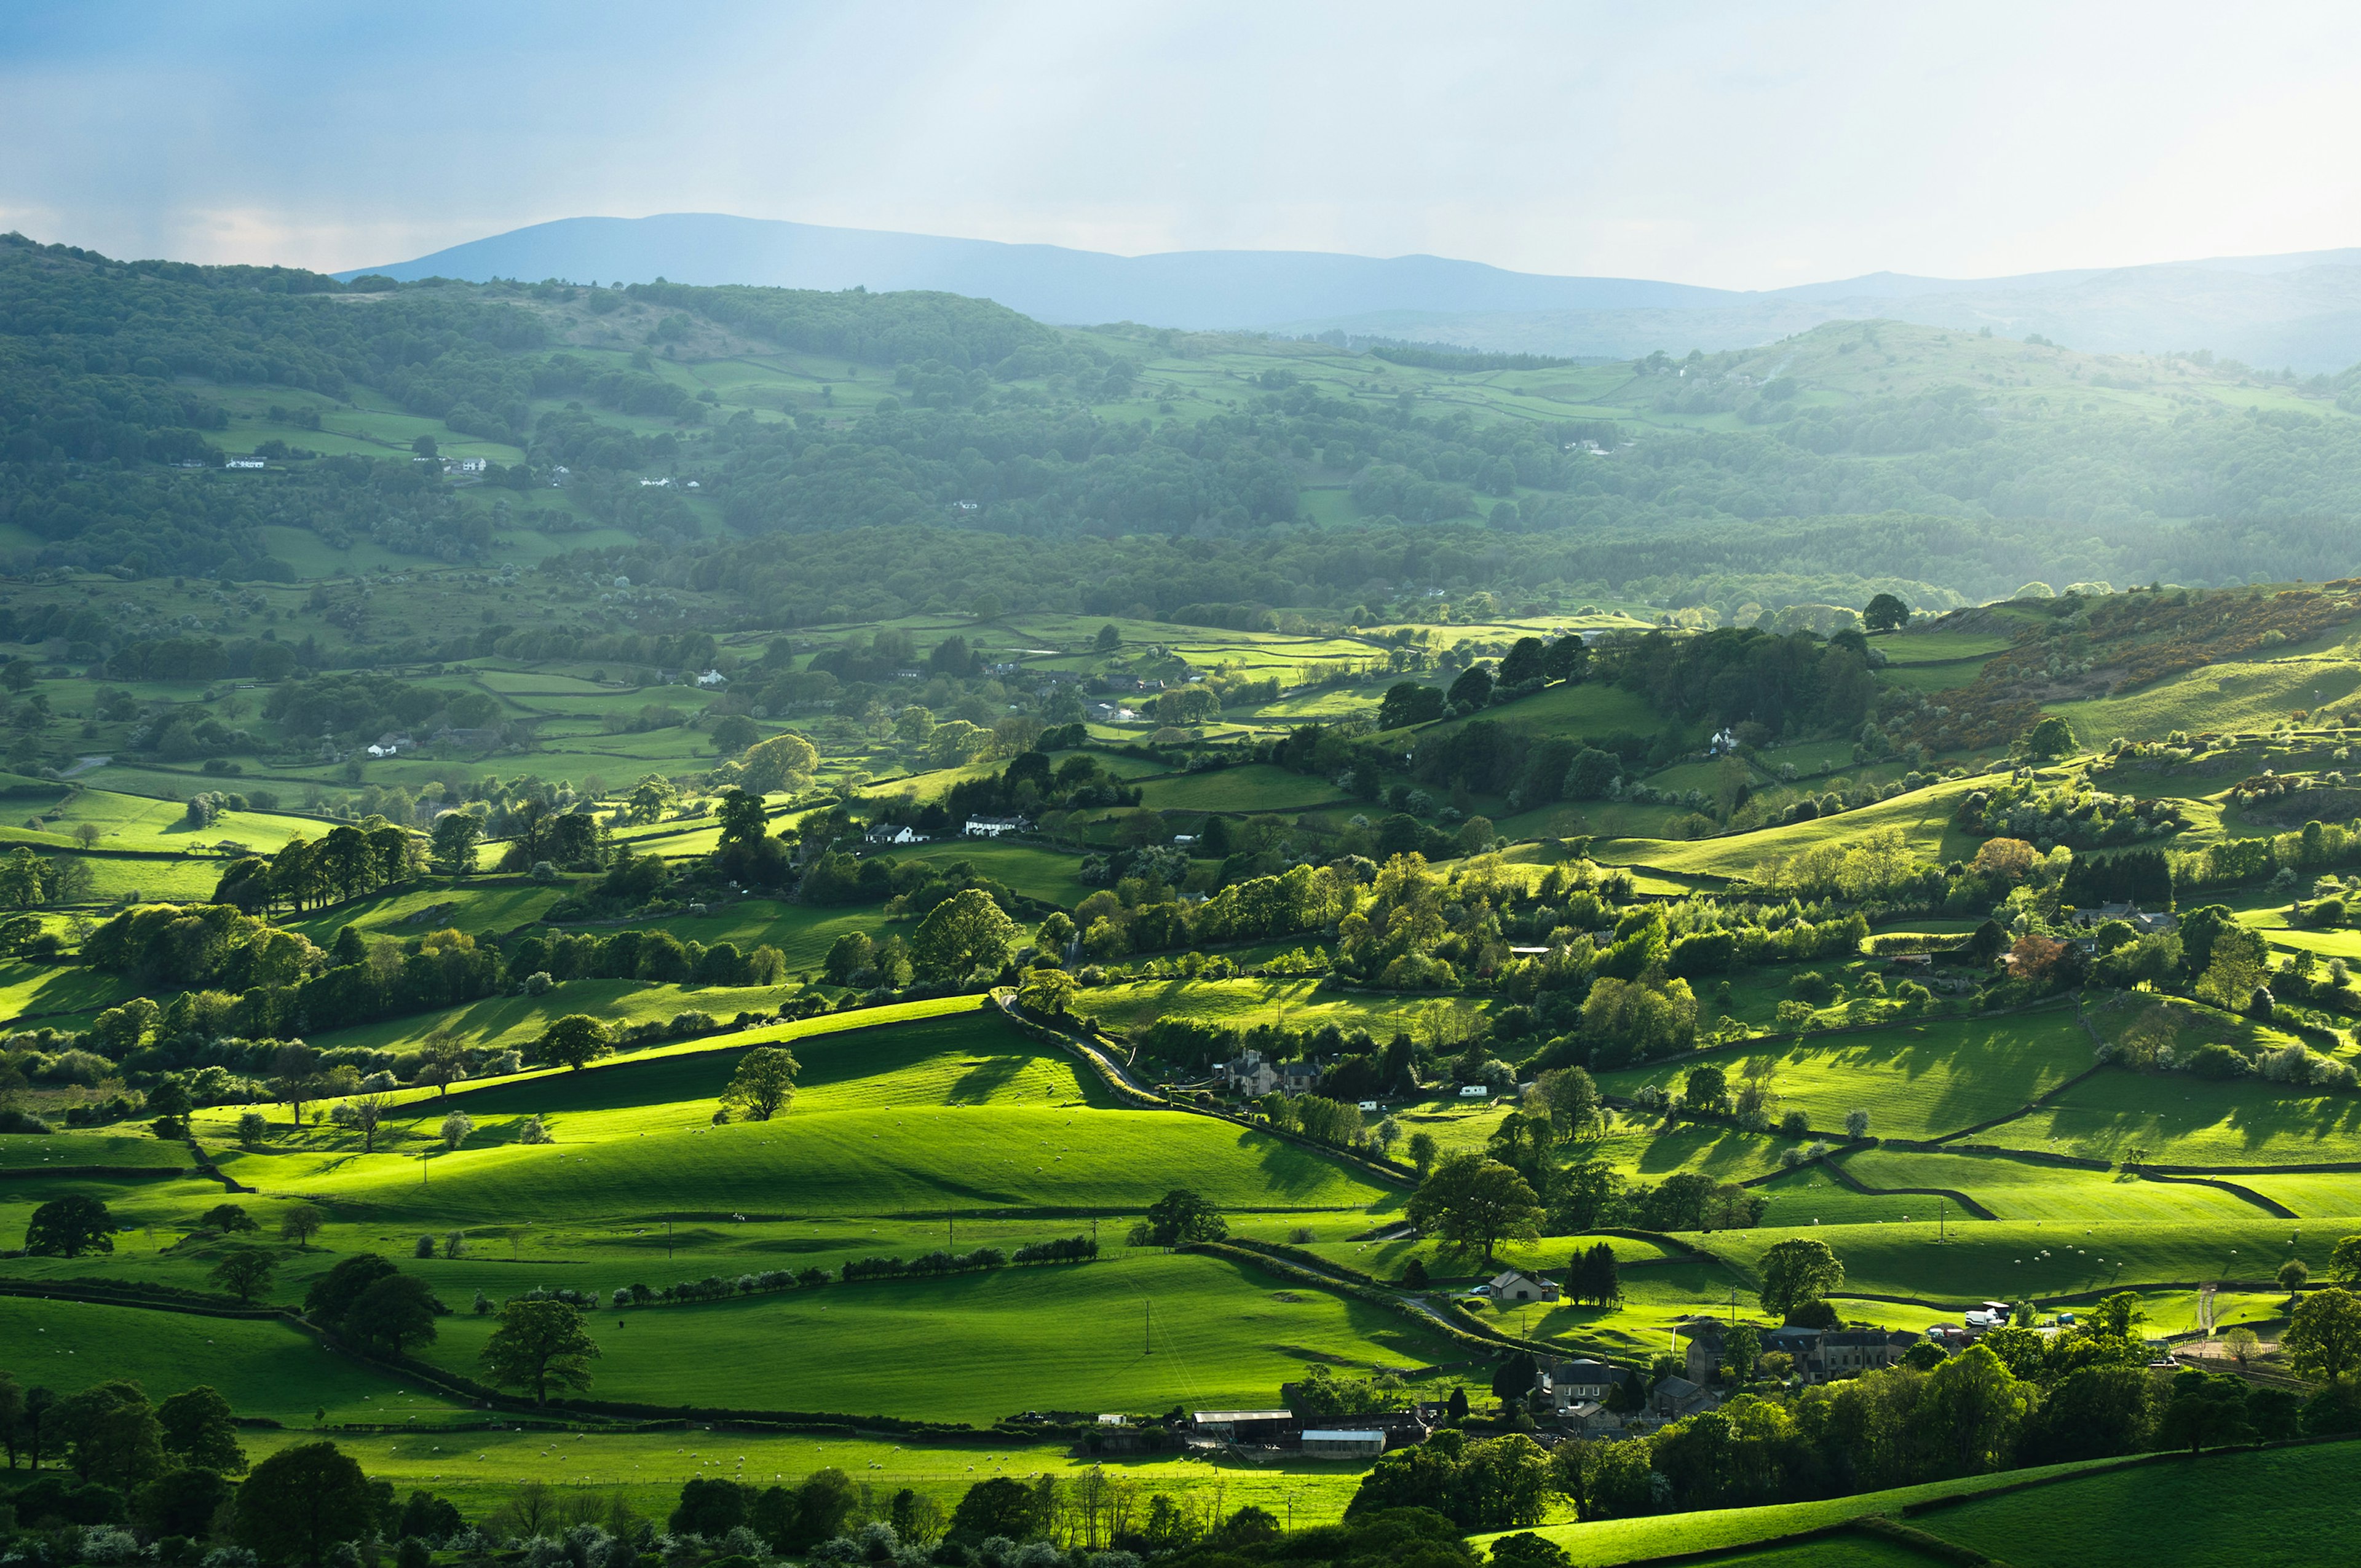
x=1861 y=457
x=911 y=984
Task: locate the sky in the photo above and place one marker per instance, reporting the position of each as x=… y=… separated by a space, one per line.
x=1741 y=147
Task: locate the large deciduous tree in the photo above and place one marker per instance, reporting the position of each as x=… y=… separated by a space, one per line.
x=965 y=933
x=574 y=1041
x=1797 y=1271
x=538 y=1343
x=1475 y=1203
x=765 y=1083
x=302 y=1500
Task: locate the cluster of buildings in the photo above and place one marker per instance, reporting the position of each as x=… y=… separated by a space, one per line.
x=1253 y=1075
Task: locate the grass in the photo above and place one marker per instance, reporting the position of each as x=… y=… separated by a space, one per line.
x=2014 y=1189
x=1237 y=1003
x=645 y=1470
x=1142 y=1332
x=2268 y=1510
x=1916 y=1080
x=2238 y=695
x=268 y=1368
x=1608 y=1542
x=2181 y=1120
x=959 y=1113
x=1957 y=1263
x=1922 y=815
x=1256 y=787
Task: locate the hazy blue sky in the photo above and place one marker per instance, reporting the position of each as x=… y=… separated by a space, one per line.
x=1741 y=145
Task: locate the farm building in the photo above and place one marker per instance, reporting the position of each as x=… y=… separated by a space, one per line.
x=1354 y=1444
x=1244 y=1426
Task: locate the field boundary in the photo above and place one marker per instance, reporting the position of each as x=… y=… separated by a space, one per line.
x=2270 y=1206
x=109 y=1172
x=1869 y=1523
x=1848 y=1178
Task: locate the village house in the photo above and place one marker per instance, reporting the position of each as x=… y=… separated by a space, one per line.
x=1248 y=1075
x=1819 y=1356
x=1516 y=1285
x=893 y=833
x=994 y=827
x=1569 y=1383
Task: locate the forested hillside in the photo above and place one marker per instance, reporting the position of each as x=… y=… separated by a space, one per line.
x=1858 y=457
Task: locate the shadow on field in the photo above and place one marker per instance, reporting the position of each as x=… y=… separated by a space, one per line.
x=985 y=1080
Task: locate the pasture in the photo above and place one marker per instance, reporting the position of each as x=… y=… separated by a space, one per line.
x=1916 y=1080
x=1136 y=1332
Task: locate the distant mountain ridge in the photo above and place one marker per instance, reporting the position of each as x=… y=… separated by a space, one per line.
x=2300 y=310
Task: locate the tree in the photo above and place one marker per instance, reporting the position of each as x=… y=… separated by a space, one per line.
x=2208 y=1410
x=1000 y=1506
x=1885 y=613
x=574 y=1041
x=732 y=733
x=302 y=1500
x=1594 y=1276
x=538 y=1343
x=2292 y=1275
x=2237 y=966
x=1181 y=1216
x=1410 y=702
x=1572 y=1098
x=1421 y=1149
x=300 y=1224
x=1473 y=687
x=2047 y=741
x=393 y=1311
x=69 y=1227
x=1972 y=1407
x=368 y=1114
x=1741 y=1352
x=765 y=1083
x=965 y=933
x=1707 y=1088
x=709 y=1506
x=199 y=1430
x=1472 y=1202
x=12 y=1415
x=113 y=1435
x=2324 y=1337
x=456 y=834
x=1856 y=1123
x=442 y=1061
x=245 y=1272
x=783 y=763
x=741 y=816
x=455 y=1130
x=1797 y=1271
x=332 y=1295
x=1109 y=639
x=182 y=1502
x=2345 y=1262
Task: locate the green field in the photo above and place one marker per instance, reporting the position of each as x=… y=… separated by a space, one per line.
x=1916 y=1080
x=960 y=1113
